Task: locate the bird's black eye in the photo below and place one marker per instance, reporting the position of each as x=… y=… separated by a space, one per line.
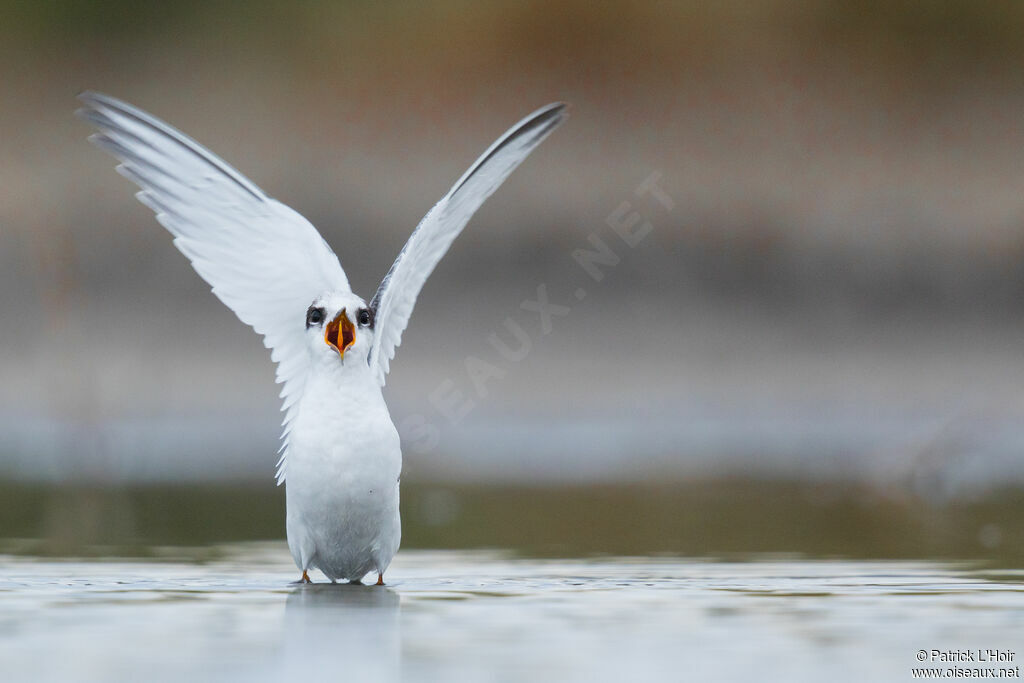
x=363 y=317
x=314 y=316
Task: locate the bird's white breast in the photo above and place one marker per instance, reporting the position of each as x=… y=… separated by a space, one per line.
x=344 y=463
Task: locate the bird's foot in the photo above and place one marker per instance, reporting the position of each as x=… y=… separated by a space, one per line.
x=380 y=579
x=305 y=577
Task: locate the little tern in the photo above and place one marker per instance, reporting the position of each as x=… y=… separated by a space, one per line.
x=341 y=459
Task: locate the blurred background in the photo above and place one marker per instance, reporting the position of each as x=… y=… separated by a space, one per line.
x=818 y=349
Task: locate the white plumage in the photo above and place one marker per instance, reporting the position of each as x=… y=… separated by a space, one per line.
x=341 y=455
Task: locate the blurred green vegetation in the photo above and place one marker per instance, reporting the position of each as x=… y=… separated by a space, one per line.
x=718 y=518
x=943 y=33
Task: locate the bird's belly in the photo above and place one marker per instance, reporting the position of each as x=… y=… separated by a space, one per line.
x=342 y=503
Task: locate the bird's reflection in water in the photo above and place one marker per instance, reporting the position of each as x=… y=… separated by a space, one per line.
x=343 y=627
x=342 y=597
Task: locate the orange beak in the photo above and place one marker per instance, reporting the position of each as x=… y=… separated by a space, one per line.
x=340 y=333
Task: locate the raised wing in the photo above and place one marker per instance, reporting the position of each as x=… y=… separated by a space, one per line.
x=396 y=296
x=263 y=260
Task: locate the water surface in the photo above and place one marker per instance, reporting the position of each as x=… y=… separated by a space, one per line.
x=457 y=615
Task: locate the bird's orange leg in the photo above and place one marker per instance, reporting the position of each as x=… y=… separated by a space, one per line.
x=305 y=577
x=380 y=579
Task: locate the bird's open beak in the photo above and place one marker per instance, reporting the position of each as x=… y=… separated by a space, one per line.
x=340 y=333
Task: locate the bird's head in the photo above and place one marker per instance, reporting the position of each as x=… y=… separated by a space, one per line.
x=339 y=327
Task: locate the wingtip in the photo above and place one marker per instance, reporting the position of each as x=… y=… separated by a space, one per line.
x=91 y=97
x=547 y=118
x=94 y=102
x=101 y=102
x=553 y=110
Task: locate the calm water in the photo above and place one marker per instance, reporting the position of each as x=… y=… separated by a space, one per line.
x=473 y=616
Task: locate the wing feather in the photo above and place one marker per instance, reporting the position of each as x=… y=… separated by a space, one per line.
x=396 y=296
x=262 y=259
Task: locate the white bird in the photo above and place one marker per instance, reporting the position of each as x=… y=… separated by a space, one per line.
x=341 y=458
